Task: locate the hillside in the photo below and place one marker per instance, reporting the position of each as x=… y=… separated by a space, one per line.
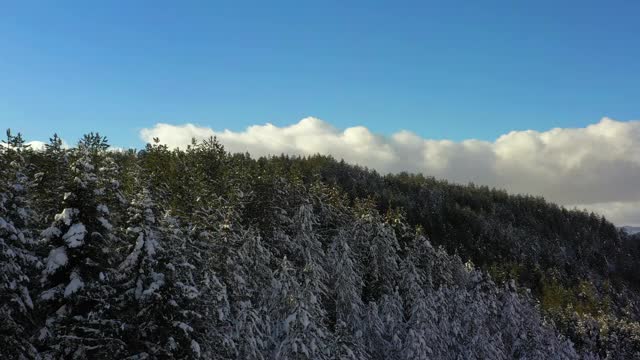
x=199 y=253
x=631 y=229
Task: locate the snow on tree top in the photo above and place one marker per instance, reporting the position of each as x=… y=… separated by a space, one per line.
x=74 y=285
x=7 y=226
x=103 y=209
x=75 y=235
x=195 y=347
x=57 y=258
x=50 y=232
x=66 y=215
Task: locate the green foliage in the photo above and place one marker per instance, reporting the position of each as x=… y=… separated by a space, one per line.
x=579 y=267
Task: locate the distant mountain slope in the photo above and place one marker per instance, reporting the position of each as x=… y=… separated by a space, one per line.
x=631 y=229
x=579 y=266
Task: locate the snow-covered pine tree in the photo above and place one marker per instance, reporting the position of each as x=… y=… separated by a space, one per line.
x=17 y=261
x=157 y=164
x=411 y=284
x=346 y=289
x=52 y=173
x=308 y=249
x=251 y=336
x=140 y=278
x=252 y=267
x=345 y=345
x=249 y=276
x=422 y=335
x=159 y=303
x=392 y=315
x=78 y=275
x=523 y=331
x=373 y=330
x=198 y=176
x=214 y=242
x=299 y=330
x=377 y=248
x=110 y=189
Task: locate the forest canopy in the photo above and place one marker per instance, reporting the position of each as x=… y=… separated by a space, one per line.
x=199 y=253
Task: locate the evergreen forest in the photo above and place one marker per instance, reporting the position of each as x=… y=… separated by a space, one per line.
x=198 y=253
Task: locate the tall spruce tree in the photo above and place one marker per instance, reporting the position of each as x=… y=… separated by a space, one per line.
x=346 y=288
x=52 y=174
x=78 y=276
x=17 y=260
x=299 y=330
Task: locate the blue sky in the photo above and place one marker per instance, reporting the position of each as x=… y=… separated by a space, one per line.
x=444 y=70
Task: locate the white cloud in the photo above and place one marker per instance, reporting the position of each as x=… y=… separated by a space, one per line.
x=36 y=145
x=597 y=167
x=623 y=213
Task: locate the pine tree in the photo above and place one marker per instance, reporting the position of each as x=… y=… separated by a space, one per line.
x=17 y=261
x=346 y=287
x=308 y=249
x=299 y=331
x=392 y=315
x=252 y=332
x=421 y=335
x=373 y=330
x=411 y=283
x=249 y=274
x=78 y=276
x=51 y=176
x=175 y=308
x=142 y=277
x=345 y=345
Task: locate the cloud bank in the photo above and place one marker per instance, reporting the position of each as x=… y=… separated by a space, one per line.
x=596 y=167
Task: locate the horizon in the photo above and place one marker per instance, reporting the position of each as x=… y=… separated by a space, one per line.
x=465 y=92
x=496 y=164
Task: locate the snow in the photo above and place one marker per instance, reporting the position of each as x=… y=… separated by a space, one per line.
x=190 y=292
x=287 y=322
x=105 y=223
x=27 y=298
x=103 y=209
x=74 y=285
x=50 y=232
x=75 y=235
x=195 y=347
x=158 y=282
x=66 y=215
x=150 y=245
x=43 y=334
x=57 y=258
x=132 y=258
x=183 y=326
x=138 y=290
x=50 y=294
x=172 y=343
x=86 y=164
x=188 y=265
x=6 y=225
x=18 y=187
